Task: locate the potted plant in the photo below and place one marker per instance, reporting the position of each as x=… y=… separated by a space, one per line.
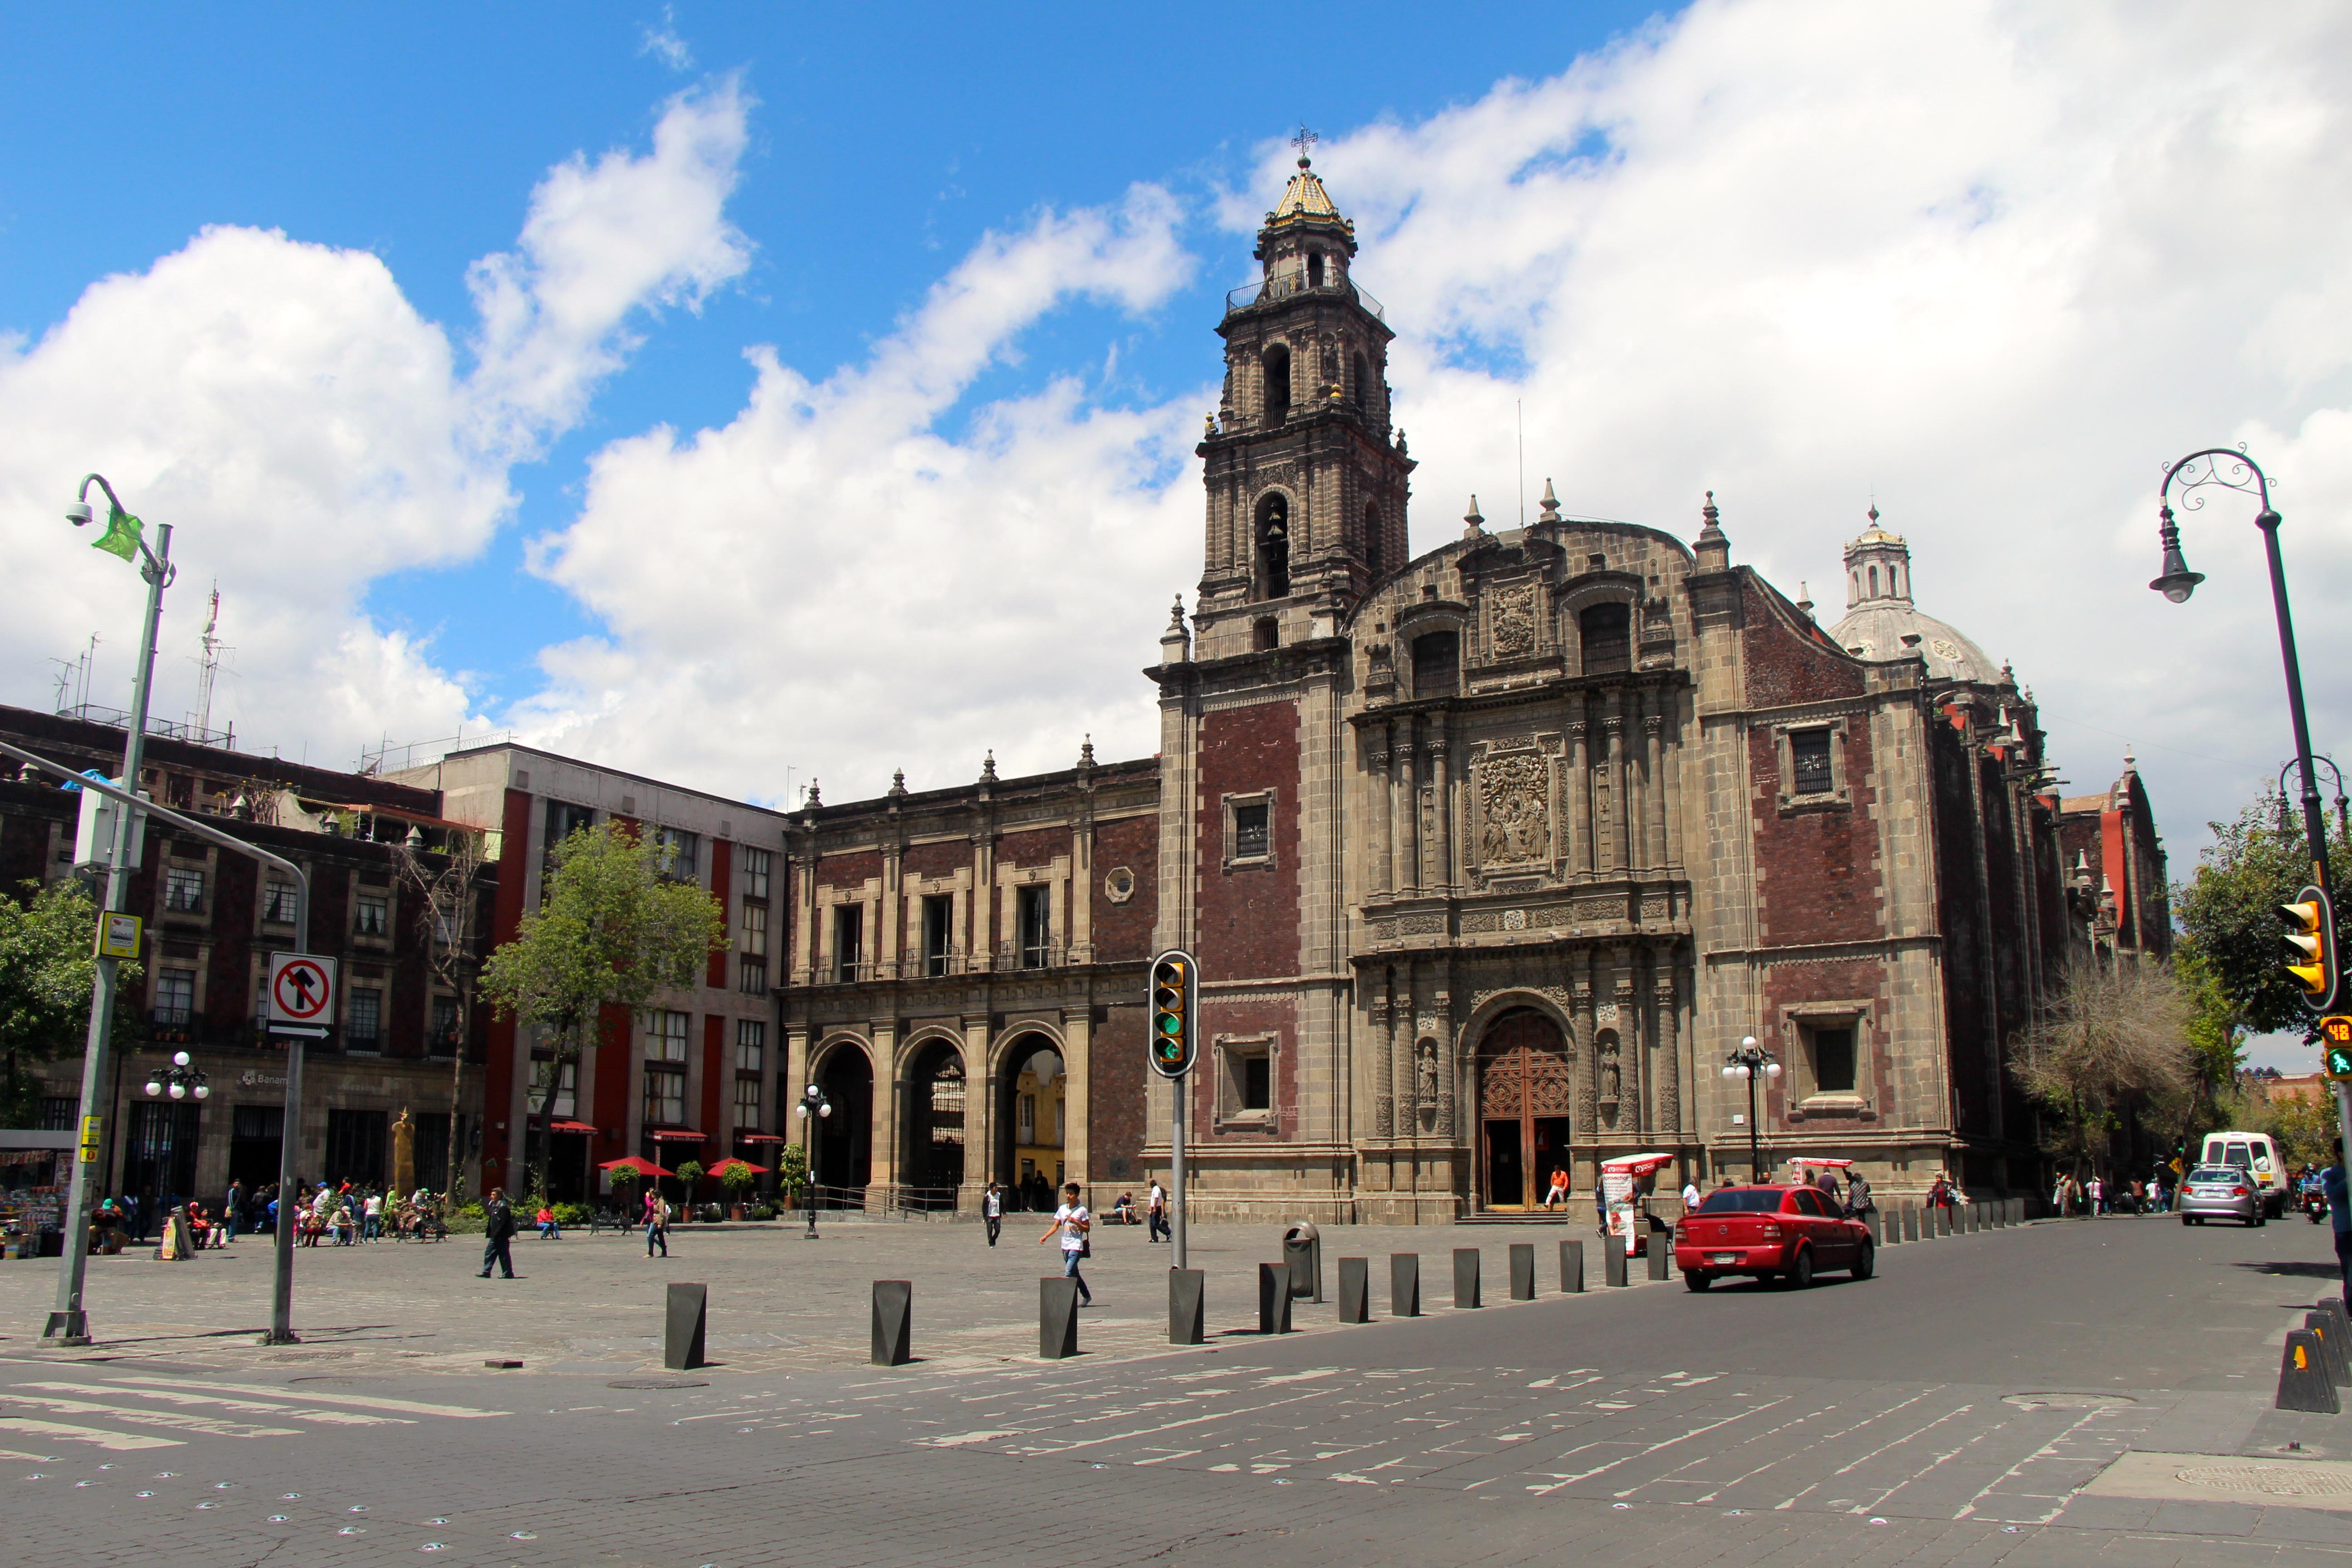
x=625 y=1193
x=736 y=1176
x=689 y=1175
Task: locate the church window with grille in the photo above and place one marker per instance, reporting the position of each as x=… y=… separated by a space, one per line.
x=1273 y=547
x=1607 y=633
x=1277 y=383
x=1809 y=761
x=1437 y=664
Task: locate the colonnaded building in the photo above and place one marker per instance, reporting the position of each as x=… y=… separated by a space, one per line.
x=1489 y=856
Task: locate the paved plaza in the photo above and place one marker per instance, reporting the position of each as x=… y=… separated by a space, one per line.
x=2086 y=1392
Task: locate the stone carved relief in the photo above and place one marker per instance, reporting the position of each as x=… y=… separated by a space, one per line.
x=1422 y=925
x=1514 y=622
x=1515 y=809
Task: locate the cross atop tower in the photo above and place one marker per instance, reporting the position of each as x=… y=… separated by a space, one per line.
x=1303 y=140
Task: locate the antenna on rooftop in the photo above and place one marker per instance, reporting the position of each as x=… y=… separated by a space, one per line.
x=208 y=666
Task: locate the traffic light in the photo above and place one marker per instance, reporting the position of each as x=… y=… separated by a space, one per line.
x=2335 y=1047
x=1175 y=1012
x=2311 y=932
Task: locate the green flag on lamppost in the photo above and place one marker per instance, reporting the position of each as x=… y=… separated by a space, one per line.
x=121 y=535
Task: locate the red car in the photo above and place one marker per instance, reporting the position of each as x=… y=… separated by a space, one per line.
x=1780 y=1233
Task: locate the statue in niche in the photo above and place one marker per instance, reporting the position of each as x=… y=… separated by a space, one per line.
x=1428 y=1051
x=1610 y=1075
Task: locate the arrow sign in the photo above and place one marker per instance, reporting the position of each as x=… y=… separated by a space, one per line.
x=301 y=989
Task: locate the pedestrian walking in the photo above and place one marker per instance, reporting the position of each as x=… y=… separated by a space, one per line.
x=1155 y=1213
x=2098 y=1196
x=498 y=1233
x=1858 y=1201
x=991 y=1209
x=656 y=1222
x=233 y=1206
x=1071 y=1223
x=2339 y=1211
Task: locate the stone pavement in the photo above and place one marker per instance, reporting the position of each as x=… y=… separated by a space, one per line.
x=1645 y=1426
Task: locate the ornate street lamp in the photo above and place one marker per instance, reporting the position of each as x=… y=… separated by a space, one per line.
x=2343 y=806
x=183 y=1080
x=813 y=1108
x=1752 y=1061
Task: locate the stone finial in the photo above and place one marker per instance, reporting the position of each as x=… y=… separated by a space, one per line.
x=1714 y=547
x=1473 y=525
x=811 y=799
x=1087 y=753
x=988 y=767
x=2131 y=761
x=898 y=783
x=1551 y=505
x=1804 y=598
x=1176 y=615
x=1400 y=441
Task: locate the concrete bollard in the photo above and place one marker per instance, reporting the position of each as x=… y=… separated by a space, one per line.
x=1355 y=1290
x=1910 y=1224
x=1057 y=1317
x=2334 y=1306
x=2304 y=1383
x=1465 y=1277
x=1976 y=1218
x=894 y=1313
x=1943 y=1220
x=1662 y=1255
x=1187 y=1297
x=1612 y=1261
x=1404 y=1284
x=682 y=1329
x=2331 y=1346
x=1997 y=1213
x=1890 y=1226
x=1523 y=1271
x=1273 y=1298
x=1571 y=1269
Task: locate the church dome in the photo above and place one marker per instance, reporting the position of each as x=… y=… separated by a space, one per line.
x=1882 y=622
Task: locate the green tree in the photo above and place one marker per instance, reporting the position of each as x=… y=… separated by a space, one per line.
x=47 y=973
x=613 y=930
x=791 y=1169
x=2229 y=910
x=2115 y=1040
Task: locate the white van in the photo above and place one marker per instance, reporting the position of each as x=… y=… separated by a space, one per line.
x=2253 y=1153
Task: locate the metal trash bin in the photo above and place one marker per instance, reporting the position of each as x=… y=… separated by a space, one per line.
x=1302 y=1249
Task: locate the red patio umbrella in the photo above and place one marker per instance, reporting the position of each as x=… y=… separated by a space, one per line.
x=720 y=1168
x=637 y=1162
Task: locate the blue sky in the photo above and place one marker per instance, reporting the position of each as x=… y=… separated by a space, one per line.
x=740 y=394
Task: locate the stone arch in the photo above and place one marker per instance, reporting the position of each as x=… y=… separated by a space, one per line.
x=1273 y=520
x=1019 y=1070
x=841 y=1146
x=1275 y=375
x=937 y=1101
x=1524 y=1093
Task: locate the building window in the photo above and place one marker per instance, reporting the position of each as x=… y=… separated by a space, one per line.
x=1606 y=634
x=682 y=851
x=1437 y=664
x=754 y=943
x=664 y=1096
x=1833 y=1060
x=747 y=1104
x=1026 y=1132
x=175 y=995
x=848 y=941
x=1035 y=911
x=1249 y=830
x=448 y=1027
x=365 y=1020
x=1314 y=270
x=1375 y=547
x=277 y=902
x=1277 y=384
x=183 y=890
x=751 y=1045
x=1257 y=1083
x=58 y=1112
x=1356 y=384
x=1809 y=761
x=371 y=914
x=756 y=863
x=566 y=1079
x=564 y=819
x=754 y=979
x=1266 y=635
x=939 y=931
x=1245 y=1083
x=666 y=1037
x=1273 y=547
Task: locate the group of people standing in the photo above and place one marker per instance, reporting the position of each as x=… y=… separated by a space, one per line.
x=2073 y=1195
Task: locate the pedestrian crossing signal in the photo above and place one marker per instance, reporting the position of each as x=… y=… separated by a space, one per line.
x=2311 y=932
x=1175 y=1007
x=2335 y=1047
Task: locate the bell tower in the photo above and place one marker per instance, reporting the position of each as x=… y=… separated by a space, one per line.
x=1306 y=481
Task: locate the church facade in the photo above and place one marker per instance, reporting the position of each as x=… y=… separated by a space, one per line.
x=1489 y=856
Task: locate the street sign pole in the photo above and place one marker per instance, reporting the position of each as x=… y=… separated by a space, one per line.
x=295 y=1033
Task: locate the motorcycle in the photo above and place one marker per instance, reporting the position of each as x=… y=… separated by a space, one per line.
x=2315 y=1207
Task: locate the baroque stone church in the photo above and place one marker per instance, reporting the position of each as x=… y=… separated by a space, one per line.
x=1489 y=856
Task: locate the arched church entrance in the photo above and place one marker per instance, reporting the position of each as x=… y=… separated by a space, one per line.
x=843 y=1156
x=935 y=1126
x=1030 y=1093
x=1525 y=1094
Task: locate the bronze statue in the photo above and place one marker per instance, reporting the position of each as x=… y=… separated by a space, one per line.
x=404 y=1154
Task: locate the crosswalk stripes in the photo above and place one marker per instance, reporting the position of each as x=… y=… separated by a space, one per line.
x=120 y=1413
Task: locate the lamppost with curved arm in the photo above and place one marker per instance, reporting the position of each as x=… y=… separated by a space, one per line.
x=813 y=1109
x=2343 y=805
x=1752 y=1061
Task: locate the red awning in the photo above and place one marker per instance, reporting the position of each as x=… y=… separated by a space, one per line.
x=569 y=1127
x=676 y=1135
x=760 y=1137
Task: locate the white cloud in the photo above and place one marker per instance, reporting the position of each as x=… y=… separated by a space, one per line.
x=839 y=585
x=664 y=44
x=306 y=432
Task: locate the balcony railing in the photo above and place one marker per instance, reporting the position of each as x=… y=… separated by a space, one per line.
x=1287 y=285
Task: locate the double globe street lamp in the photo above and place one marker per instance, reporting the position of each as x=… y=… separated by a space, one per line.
x=813 y=1109
x=1752 y=1061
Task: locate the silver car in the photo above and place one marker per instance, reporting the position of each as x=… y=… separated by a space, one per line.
x=2219 y=1192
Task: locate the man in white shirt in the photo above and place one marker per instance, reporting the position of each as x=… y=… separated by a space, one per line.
x=1156 y=1211
x=1690 y=1195
x=1071 y=1223
x=991 y=1209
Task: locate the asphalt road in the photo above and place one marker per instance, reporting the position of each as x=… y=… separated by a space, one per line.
x=1952 y=1410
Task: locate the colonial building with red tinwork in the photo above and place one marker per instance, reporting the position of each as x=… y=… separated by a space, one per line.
x=1489 y=856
